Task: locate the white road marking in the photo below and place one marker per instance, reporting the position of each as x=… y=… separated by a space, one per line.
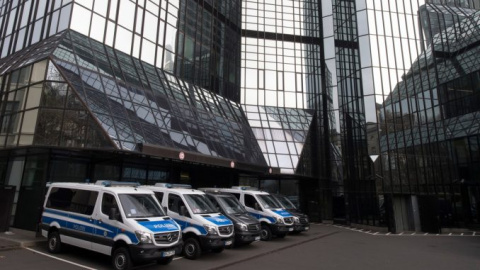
x=60 y=259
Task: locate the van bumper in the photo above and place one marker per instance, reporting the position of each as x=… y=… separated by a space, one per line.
x=247 y=237
x=281 y=229
x=149 y=252
x=209 y=241
x=301 y=227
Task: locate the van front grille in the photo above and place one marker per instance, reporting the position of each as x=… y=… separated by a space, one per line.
x=166 y=238
x=253 y=227
x=225 y=230
x=288 y=220
x=304 y=220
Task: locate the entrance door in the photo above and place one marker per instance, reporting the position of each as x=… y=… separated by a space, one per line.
x=428 y=208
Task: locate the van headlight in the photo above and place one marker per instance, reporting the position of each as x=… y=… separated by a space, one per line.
x=144 y=237
x=241 y=226
x=210 y=229
x=280 y=221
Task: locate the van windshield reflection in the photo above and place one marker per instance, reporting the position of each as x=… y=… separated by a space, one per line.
x=140 y=206
x=199 y=204
x=268 y=201
x=231 y=205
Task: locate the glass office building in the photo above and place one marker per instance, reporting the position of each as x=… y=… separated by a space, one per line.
x=408 y=152
x=141 y=91
x=363 y=112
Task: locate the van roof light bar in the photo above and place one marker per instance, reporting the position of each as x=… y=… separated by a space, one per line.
x=215 y=190
x=244 y=188
x=109 y=183
x=168 y=185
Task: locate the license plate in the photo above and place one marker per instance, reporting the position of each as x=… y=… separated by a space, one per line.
x=307 y=228
x=168 y=253
x=290 y=229
x=228 y=242
x=257 y=238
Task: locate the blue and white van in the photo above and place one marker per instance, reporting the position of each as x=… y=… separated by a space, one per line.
x=203 y=227
x=114 y=218
x=274 y=219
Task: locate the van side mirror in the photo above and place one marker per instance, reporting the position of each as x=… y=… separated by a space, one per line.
x=114 y=214
x=165 y=209
x=257 y=207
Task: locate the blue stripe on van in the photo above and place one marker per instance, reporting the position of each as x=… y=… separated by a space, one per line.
x=258 y=216
x=219 y=220
x=160 y=225
x=283 y=213
x=107 y=232
x=184 y=225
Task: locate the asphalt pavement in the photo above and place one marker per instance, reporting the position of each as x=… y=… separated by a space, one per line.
x=325 y=246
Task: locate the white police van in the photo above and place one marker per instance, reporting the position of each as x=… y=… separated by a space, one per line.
x=114 y=218
x=203 y=227
x=273 y=218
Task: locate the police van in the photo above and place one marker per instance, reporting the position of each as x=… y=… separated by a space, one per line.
x=247 y=228
x=114 y=218
x=273 y=218
x=300 y=219
x=203 y=227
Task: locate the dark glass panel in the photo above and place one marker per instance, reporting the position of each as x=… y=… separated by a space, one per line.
x=49 y=127
x=54 y=95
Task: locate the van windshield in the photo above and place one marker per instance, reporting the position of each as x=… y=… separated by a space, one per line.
x=268 y=201
x=231 y=205
x=287 y=204
x=140 y=206
x=199 y=204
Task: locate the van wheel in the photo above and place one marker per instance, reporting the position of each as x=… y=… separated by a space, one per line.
x=54 y=242
x=165 y=261
x=265 y=233
x=121 y=259
x=191 y=249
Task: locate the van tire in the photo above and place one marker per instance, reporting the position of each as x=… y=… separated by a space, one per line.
x=265 y=233
x=54 y=242
x=121 y=259
x=165 y=261
x=191 y=249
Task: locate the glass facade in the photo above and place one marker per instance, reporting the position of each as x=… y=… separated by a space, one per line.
x=364 y=111
x=281 y=134
x=399 y=69
x=132 y=102
x=197 y=41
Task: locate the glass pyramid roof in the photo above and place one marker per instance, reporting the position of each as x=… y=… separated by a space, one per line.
x=281 y=134
x=137 y=104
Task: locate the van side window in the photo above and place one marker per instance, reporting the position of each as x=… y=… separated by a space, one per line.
x=73 y=200
x=236 y=195
x=159 y=196
x=109 y=202
x=250 y=201
x=174 y=203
